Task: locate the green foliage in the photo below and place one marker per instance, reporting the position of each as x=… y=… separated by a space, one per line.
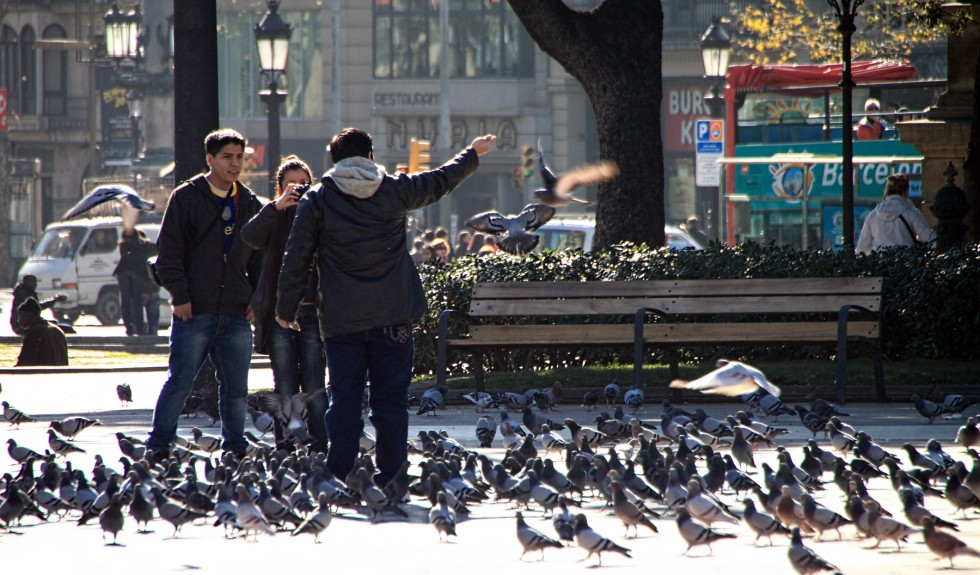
x=930 y=309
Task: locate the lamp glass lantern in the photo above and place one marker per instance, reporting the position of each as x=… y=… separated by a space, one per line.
x=122 y=34
x=716 y=50
x=135 y=102
x=272 y=36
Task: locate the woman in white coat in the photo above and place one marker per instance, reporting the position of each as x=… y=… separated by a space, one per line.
x=895 y=221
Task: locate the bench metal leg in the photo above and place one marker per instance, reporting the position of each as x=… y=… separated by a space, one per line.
x=842 y=355
x=675 y=373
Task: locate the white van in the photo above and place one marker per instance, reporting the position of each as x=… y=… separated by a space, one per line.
x=77 y=258
x=577 y=233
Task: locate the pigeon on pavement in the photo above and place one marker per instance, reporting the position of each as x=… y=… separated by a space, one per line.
x=533 y=540
x=595 y=544
x=803 y=559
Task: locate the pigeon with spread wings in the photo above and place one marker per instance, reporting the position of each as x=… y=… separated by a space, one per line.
x=557 y=191
x=731 y=378
x=103 y=194
x=515 y=229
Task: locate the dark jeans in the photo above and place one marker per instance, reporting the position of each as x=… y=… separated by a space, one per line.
x=385 y=352
x=227 y=341
x=299 y=363
x=131 y=303
x=151 y=302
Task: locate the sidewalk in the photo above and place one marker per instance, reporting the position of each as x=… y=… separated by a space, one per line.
x=486 y=541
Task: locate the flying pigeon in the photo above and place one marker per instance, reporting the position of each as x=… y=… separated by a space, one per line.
x=516 y=240
x=557 y=191
x=731 y=378
x=103 y=194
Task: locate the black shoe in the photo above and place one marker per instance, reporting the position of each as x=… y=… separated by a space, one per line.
x=160 y=456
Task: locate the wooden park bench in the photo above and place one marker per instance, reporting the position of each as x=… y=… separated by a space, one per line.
x=669 y=314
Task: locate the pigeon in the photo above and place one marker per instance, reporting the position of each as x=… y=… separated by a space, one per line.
x=968 y=434
x=174 y=513
x=927 y=409
x=803 y=559
x=695 y=533
x=821 y=518
x=517 y=240
x=432 y=399
x=249 y=516
x=634 y=398
x=481 y=399
x=945 y=545
x=595 y=544
x=317 y=522
x=486 y=430
x=19 y=453
x=762 y=523
x=289 y=411
x=590 y=399
x=956 y=403
x=124 y=393
x=731 y=378
x=611 y=392
x=582 y=435
x=262 y=421
x=103 y=194
x=774 y=407
x=15 y=416
x=206 y=443
x=882 y=527
x=442 y=518
x=72 y=426
x=628 y=512
x=532 y=539
x=111 y=519
x=704 y=507
x=557 y=191
x=60 y=446
x=917 y=514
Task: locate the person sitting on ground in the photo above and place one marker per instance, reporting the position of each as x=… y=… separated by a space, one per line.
x=871 y=127
x=895 y=221
x=27 y=288
x=44 y=343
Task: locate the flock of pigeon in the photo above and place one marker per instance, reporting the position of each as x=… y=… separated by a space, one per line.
x=692 y=469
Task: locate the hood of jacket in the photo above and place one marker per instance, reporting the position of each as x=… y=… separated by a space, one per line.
x=357 y=176
x=893 y=206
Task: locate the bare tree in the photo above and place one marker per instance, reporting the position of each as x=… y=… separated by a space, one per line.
x=614 y=51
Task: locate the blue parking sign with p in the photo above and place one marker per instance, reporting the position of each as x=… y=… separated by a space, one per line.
x=703 y=130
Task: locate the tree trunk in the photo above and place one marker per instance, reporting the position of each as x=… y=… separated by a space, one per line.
x=614 y=51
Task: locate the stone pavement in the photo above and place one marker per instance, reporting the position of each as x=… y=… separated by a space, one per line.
x=486 y=541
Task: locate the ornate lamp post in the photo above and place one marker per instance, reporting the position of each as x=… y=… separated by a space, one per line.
x=846 y=10
x=122 y=35
x=272 y=41
x=716 y=50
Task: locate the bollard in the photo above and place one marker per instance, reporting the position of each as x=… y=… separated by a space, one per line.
x=950 y=208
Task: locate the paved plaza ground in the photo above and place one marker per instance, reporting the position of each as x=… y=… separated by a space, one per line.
x=486 y=541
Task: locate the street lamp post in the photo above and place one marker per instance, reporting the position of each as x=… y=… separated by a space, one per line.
x=846 y=10
x=272 y=41
x=135 y=102
x=122 y=35
x=716 y=50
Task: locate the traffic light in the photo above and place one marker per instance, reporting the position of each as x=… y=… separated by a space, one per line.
x=527 y=162
x=418 y=155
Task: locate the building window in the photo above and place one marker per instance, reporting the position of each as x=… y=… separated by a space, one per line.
x=28 y=72
x=238 y=66
x=10 y=68
x=55 y=75
x=485 y=39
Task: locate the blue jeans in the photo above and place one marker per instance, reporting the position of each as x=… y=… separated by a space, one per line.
x=227 y=341
x=298 y=363
x=131 y=303
x=385 y=352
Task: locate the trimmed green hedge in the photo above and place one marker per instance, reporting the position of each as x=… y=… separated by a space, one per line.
x=931 y=300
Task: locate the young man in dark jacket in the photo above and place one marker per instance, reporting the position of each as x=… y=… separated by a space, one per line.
x=353 y=225
x=210 y=274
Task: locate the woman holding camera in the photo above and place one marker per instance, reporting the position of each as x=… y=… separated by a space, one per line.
x=298 y=359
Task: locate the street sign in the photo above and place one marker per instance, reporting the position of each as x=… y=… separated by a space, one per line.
x=709 y=140
x=3 y=110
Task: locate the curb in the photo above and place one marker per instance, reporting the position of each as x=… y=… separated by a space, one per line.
x=68 y=370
